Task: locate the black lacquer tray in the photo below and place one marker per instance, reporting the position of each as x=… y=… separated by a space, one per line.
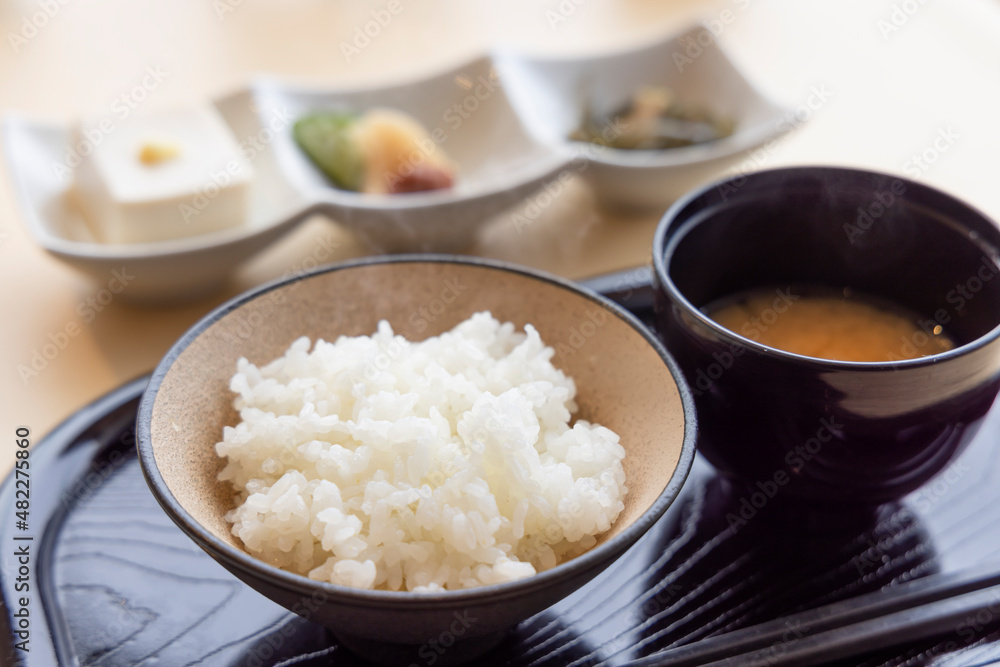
x=716 y=581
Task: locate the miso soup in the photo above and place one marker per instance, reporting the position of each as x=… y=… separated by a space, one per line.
x=844 y=326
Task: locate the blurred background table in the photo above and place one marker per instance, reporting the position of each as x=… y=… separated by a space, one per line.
x=896 y=74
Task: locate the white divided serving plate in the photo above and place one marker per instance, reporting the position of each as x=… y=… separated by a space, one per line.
x=503 y=118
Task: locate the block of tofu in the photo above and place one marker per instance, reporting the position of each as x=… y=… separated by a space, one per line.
x=161 y=176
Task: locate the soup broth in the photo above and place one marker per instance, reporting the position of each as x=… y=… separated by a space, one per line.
x=843 y=326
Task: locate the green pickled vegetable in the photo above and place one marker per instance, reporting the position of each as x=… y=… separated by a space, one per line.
x=326 y=139
x=653 y=119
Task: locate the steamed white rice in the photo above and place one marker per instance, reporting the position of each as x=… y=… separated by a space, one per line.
x=377 y=462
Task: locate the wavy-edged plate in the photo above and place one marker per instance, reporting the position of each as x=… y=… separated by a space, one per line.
x=552 y=93
x=504 y=118
x=468 y=115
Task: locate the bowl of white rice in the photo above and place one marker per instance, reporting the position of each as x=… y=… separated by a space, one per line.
x=415 y=447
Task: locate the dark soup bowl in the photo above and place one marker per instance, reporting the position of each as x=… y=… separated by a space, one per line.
x=800 y=427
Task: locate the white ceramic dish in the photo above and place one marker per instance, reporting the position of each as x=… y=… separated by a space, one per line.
x=503 y=118
x=163 y=271
x=551 y=94
x=468 y=115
